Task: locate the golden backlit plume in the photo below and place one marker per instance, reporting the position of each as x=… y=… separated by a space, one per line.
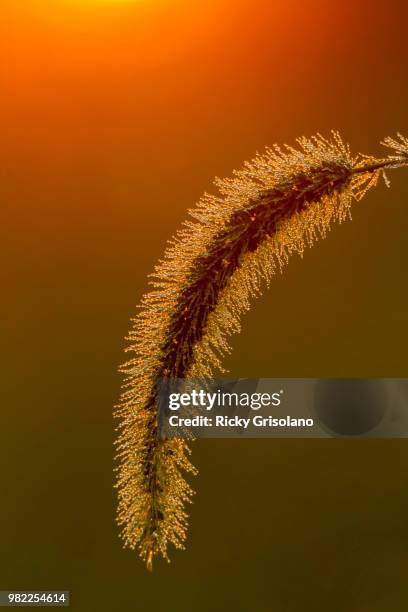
x=279 y=203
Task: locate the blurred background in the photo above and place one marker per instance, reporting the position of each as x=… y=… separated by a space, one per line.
x=115 y=117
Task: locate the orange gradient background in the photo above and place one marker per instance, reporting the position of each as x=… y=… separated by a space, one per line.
x=115 y=117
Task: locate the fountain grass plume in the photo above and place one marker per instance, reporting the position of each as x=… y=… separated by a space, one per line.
x=226 y=252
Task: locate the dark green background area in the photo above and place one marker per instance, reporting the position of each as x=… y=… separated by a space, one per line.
x=101 y=167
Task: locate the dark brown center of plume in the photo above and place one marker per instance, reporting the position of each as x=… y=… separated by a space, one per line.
x=210 y=275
